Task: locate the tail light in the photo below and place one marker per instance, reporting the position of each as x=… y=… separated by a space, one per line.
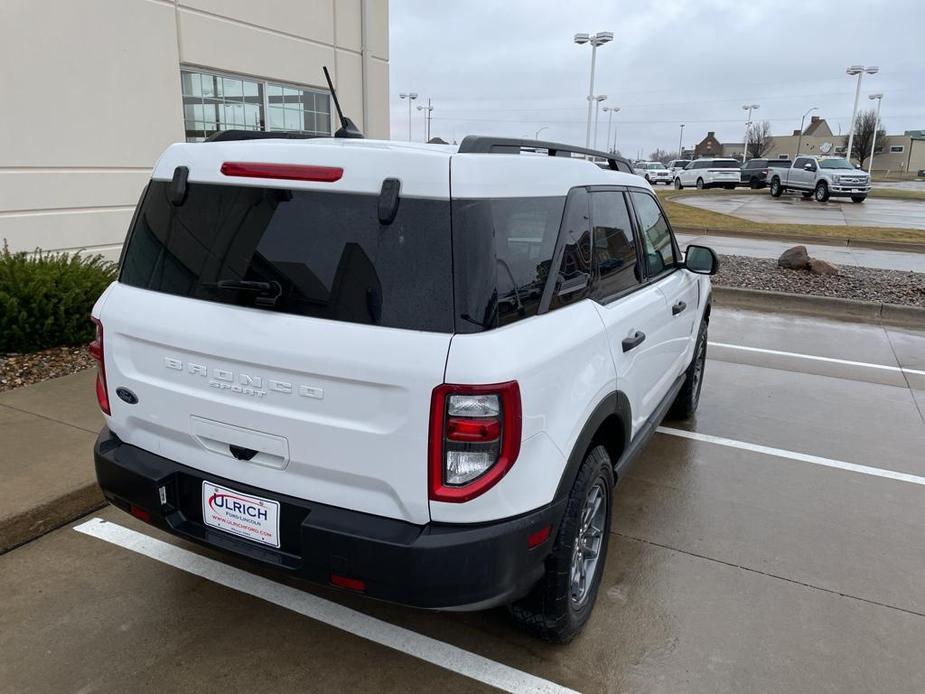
x=290 y=172
x=96 y=351
x=474 y=438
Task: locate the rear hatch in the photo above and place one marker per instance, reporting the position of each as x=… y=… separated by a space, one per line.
x=275 y=332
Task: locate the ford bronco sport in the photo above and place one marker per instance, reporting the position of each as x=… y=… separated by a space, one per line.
x=411 y=371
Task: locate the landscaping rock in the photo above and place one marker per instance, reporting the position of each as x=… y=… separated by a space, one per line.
x=796 y=258
x=821 y=267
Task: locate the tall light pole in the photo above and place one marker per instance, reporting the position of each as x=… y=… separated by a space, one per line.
x=803 y=120
x=598 y=39
x=858 y=70
x=537 y=136
x=598 y=100
x=427 y=111
x=748 y=124
x=680 y=140
x=610 y=110
x=410 y=96
x=873 y=144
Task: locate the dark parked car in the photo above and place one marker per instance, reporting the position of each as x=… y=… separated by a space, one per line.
x=755 y=171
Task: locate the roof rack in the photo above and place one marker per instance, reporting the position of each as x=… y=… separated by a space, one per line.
x=232 y=135
x=483 y=144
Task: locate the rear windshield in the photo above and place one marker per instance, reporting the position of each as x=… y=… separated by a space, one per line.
x=725 y=164
x=779 y=163
x=306 y=253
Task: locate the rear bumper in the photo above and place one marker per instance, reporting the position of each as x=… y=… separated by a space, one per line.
x=431 y=566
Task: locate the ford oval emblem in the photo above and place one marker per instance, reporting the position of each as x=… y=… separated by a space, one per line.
x=127 y=395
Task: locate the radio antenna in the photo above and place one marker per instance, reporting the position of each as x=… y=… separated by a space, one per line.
x=347 y=127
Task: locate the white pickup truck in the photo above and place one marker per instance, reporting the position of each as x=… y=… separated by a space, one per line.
x=821 y=178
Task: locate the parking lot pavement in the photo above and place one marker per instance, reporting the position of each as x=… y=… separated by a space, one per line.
x=784 y=554
x=793 y=209
x=840 y=255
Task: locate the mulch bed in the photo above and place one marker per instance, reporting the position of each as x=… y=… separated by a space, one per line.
x=864 y=283
x=18 y=370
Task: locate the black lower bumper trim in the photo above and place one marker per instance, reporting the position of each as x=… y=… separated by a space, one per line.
x=432 y=566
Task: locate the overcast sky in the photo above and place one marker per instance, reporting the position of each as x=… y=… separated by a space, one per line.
x=510 y=68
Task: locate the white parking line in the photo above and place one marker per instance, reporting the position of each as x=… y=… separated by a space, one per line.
x=793 y=455
x=425 y=648
x=813 y=357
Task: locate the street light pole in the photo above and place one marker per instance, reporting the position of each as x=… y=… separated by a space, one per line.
x=873 y=144
x=858 y=70
x=537 y=136
x=410 y=96
x=748 y=124
x=803 y=120
x=610 y=110
x=680 y=140
x=426 y=110
x=598 y=100
x=598 y=39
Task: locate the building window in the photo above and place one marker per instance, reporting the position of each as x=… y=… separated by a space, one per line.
x=783 y=156
x=214 y=102
x=897 y=149
x=841 y=149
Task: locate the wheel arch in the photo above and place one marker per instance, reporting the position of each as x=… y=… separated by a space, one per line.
x=609 y=425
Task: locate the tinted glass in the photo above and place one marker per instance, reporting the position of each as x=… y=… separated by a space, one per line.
x=614 y=248
x=779 y=163
x=836 y=164
x=656 y=236
x=724 y=164
x=502 y=253
x=574 y=275
x=307 y=253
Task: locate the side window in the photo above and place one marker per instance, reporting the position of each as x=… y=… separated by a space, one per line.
x=614 y=247
x=655 y=233
x=574 y=277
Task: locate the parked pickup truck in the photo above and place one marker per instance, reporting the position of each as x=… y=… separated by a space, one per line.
x=822 y=178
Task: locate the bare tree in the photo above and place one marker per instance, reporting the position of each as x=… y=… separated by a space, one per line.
x=661 y=155
x=759 y=139
x=864 y=125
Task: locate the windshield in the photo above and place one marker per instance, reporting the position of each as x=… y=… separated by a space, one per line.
x=680 y=163
x=836 y=164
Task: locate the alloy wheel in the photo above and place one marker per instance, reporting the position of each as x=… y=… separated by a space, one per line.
x=587 y=550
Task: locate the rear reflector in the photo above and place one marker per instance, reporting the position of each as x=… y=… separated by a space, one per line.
x=291 y=172
x=96 y=351
x=539 y=537
x=348 y=583
x=140 y=513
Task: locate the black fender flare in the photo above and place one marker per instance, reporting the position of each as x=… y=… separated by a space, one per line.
x=614 y=403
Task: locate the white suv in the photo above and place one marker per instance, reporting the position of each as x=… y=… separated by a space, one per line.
x=654 y=172
x=709 y=173
x=335 y=358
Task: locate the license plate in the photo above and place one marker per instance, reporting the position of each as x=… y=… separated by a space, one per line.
x=241 y=514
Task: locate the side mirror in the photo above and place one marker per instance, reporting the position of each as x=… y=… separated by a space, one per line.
x=808 y=167
x=701 y=260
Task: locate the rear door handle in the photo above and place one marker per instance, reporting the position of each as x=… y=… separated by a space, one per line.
x=677 y=308
x=634 y=341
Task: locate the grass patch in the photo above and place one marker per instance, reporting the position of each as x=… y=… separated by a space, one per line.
x=689 y=217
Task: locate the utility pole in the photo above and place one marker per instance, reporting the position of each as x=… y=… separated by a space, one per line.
x=748 y=124
x=858 y=70
x=803 y=120
x=598 y=39
x=410 y=96
x=873 y=143
x=680 y=141
x=427 y=111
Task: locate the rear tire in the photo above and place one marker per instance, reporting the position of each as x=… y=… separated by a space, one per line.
x=700 y=184
x=677 y=184
x=776 y=189
x=754 y=183
x=858 y=198
x=559 y=606
x=821 y=193
x=685 y=403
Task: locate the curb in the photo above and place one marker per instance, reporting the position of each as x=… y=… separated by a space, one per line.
x=52 y=514
x=818 y=240
x=821 y=306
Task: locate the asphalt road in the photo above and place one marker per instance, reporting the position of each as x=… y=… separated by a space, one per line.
x=772 y=544
x=840 y=255
x=793 y=209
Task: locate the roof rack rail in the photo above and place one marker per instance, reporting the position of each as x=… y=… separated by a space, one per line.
x=232 y=135
x=484 y=144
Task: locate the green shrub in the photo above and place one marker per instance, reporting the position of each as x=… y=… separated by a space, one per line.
x=46 y=298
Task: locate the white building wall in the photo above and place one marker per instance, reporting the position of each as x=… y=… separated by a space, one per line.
x=91 y=95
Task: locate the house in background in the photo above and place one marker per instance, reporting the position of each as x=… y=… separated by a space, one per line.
x=101 y=87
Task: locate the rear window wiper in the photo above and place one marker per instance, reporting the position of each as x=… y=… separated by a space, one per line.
x=271 y=290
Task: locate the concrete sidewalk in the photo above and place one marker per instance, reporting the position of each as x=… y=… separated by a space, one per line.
x=46 y=434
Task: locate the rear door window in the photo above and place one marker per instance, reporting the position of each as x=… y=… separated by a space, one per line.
x=574 y=274
x=305 y=253
x=659 y=250
x=613 y=245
